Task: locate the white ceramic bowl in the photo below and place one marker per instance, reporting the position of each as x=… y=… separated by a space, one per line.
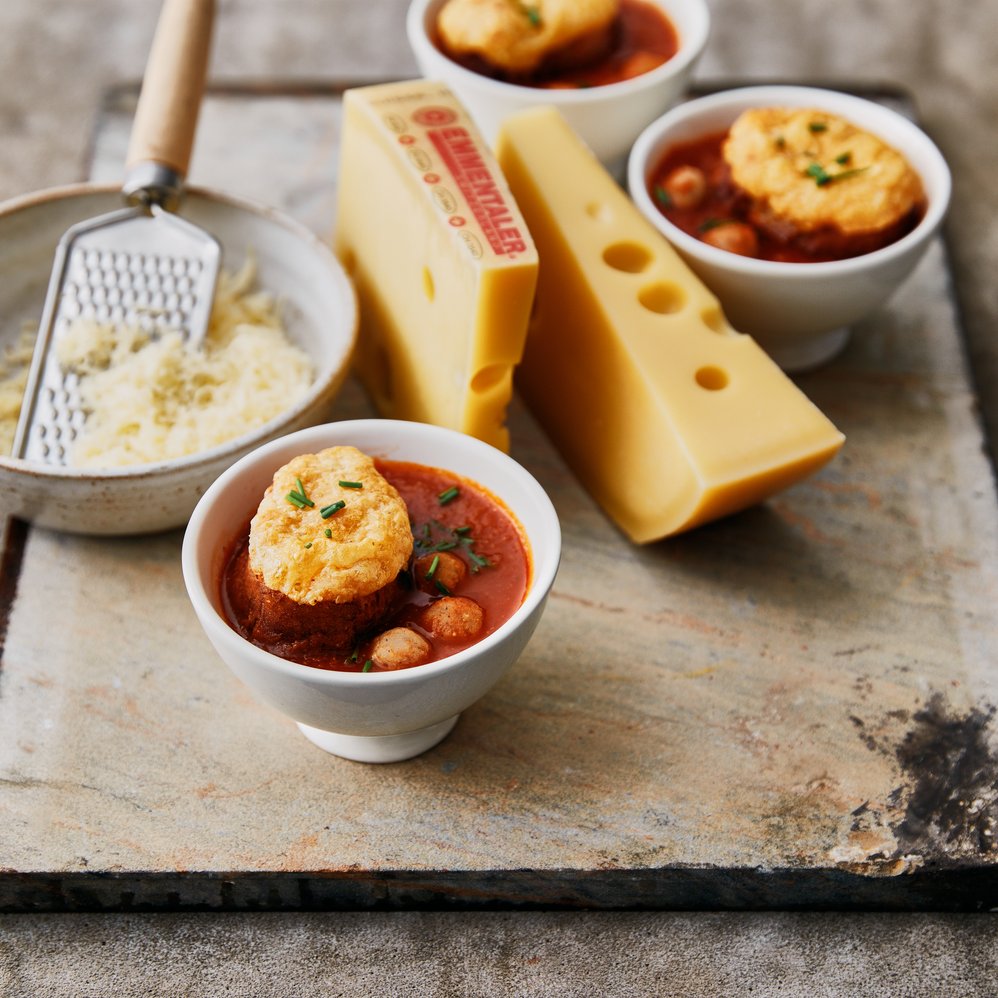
x=377 y=716
x=799 y=312
x=608 y=118
x=320 y=314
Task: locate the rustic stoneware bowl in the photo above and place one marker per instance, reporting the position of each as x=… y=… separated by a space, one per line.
x=319 y=312
x=608 y=118
x=800 y=313
x=377 y=716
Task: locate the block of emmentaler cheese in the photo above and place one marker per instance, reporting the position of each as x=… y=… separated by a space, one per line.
x=667 y=415
x=441 y=258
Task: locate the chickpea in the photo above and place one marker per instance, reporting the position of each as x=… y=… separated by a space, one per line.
x=686 y=186
x=399 y=648
x=450 y=572
x=454 y=617
x=735 y=237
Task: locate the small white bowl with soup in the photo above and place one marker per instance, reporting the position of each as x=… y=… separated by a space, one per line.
x=609 y=78
x=802 y=209
x=371 y=579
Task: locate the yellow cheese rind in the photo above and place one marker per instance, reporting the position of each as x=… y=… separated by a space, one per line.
x=667 y=415
x=443 y=263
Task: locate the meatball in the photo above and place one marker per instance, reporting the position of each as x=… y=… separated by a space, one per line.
x=399 y=648
x=444 y=568
x=453 y=617
x=735 y=237
x=685 y=186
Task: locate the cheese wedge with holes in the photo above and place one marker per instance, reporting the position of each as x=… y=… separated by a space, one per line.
x=667 y=415
x=440 y=255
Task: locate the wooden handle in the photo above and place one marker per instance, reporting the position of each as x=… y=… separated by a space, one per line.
x=167 y=112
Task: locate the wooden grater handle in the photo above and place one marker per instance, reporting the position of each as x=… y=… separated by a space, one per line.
x=167 y=112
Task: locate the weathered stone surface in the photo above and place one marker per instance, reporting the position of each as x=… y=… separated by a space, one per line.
x=807 y=687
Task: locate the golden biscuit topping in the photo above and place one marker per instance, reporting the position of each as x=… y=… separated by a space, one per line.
x=330 y=527
x=815 y=169
x=517 y=36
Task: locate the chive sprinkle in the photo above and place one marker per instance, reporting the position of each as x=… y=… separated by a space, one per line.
x=448 y=495
x=432 y=570
x=462 y=531
x=662 y=196
x=351 y=485
x=814 y=127
x=353 y=655
x=309 y=544
x=441 y=587
x=328 y=532
x=334 y=507
x=712 y=223
x=533 y=15
x=843 y=159
x=367 y=665
x=297 y=496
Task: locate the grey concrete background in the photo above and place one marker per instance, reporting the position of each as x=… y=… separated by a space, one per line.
x=58 y=58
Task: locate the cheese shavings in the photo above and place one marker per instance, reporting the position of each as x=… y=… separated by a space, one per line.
x=14 y=364
x=150 y=400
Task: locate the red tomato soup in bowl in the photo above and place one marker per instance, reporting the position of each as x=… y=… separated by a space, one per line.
x=609 y=66
x=362 y=590
x=638 y=38
x=467 y=574
x=802 y=209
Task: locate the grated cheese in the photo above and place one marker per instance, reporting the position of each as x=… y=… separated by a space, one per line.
x=151 y=400
x=14 y=365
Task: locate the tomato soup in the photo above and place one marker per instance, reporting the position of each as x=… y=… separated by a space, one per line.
x=722 y=214
x=641 y=38
x=451 y=518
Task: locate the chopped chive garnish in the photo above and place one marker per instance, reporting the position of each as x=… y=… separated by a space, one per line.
x=817 y=171
x=441 y=587
x=309 y=544
x=462 y=531
x=353 y=655
x=448 y=495
x=328 y=532
x=533 y=15
x=662 y=196
x=817 y=126
x=334 y=507
x=843 y=158
x=822 y=176
x=432 y=570
x=351 y=485
x=297 y=496
x=367 y=665
x=712 y=223
x=478 y=561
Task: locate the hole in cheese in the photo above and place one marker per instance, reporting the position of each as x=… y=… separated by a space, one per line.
x=488 y=377
x=600 y=211
x=662 y=297
x=428 y=287
x=349 y=261
x=711 y=378
x=713 y=319
x=629 y=257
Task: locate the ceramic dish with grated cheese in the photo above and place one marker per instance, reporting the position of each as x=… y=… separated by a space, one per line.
x=164 y=419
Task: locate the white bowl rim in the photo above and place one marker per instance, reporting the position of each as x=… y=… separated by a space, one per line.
x=649 y=141
x=690 y=48
x=319 y=386
x=542 y=578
